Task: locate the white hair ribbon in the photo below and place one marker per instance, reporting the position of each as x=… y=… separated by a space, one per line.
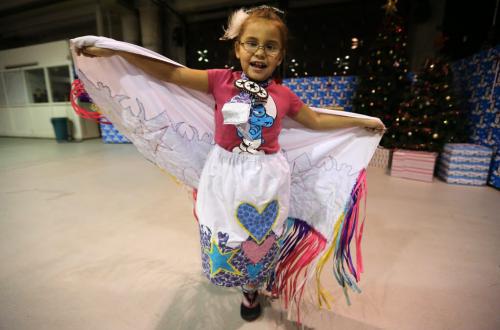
x=234 y=24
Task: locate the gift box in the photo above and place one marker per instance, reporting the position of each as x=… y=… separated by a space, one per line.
x=381 y=158
x=415 y=165
x=322 y=91
x=495 y=171
x=465 y=163
x=111 y=135
x=478 y=79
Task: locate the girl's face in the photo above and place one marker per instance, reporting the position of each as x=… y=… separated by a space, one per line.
x=265 y=37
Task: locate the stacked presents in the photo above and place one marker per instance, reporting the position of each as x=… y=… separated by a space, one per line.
x=464 y=163
x=337 y=91
x=459 y=163
x=478 y=78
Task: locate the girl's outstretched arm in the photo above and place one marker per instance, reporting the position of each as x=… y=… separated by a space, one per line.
x=190 y=78
x=321 y=121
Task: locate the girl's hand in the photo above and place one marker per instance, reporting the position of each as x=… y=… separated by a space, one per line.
x=374 y=125
x=92 y=51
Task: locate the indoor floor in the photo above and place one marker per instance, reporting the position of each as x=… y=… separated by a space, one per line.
x=93 y=236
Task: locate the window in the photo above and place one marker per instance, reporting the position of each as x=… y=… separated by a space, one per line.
x=14 y=86
x=60 y=83
x=35 y=82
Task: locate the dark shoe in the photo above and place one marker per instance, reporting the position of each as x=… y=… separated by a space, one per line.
x=250 y=313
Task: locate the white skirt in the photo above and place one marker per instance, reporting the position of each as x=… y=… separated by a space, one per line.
x=242 y=205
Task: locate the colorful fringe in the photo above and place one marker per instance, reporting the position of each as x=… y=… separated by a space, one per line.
x=77 y=95
x=302 y=244
x=347 y=227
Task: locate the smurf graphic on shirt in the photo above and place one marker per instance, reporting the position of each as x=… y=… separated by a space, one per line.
x=250 y=111
x=259 y=117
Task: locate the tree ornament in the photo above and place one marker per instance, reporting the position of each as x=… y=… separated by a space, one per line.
x=390 y=7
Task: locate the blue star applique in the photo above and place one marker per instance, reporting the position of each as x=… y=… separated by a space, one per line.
x=220 y=261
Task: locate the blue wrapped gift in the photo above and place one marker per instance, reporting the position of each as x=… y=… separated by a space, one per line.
x=321 y=93
x=310 y=93
x=465 y=163
x=111 y=135
x=495 y=171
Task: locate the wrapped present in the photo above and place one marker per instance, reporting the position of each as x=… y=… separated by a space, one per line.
x=495 y=171
x=322 y=91
x=381 y=158
x=310 y=93
x=465 y=163
x=478 y=78
x=111 y=135
x=415 y=165
x=314 y=101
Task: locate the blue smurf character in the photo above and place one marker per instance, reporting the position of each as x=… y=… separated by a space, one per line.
x=258 y=118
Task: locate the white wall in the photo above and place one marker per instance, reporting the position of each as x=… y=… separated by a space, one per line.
x=33 y=119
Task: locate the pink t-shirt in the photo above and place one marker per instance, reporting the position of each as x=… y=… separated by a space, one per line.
x=281 y=101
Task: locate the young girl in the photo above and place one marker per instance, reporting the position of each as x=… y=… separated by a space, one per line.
x=243 y=194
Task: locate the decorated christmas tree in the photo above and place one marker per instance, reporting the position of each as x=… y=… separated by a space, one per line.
x=383 y=75
x=430 y=115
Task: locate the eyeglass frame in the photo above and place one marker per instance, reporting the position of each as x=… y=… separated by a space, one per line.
x=259 y=46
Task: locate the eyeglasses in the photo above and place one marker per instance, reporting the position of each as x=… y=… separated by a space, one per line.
x=270 y=49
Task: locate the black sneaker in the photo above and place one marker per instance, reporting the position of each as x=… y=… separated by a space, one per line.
x=250 y=313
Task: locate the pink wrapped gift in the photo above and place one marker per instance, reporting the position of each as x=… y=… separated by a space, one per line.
x=415 y=165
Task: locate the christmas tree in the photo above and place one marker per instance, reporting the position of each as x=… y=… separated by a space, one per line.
x=383 y=75
x=430 y=116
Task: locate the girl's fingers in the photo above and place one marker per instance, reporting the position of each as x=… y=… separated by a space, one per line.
x=91 y=52
x=376 y=130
